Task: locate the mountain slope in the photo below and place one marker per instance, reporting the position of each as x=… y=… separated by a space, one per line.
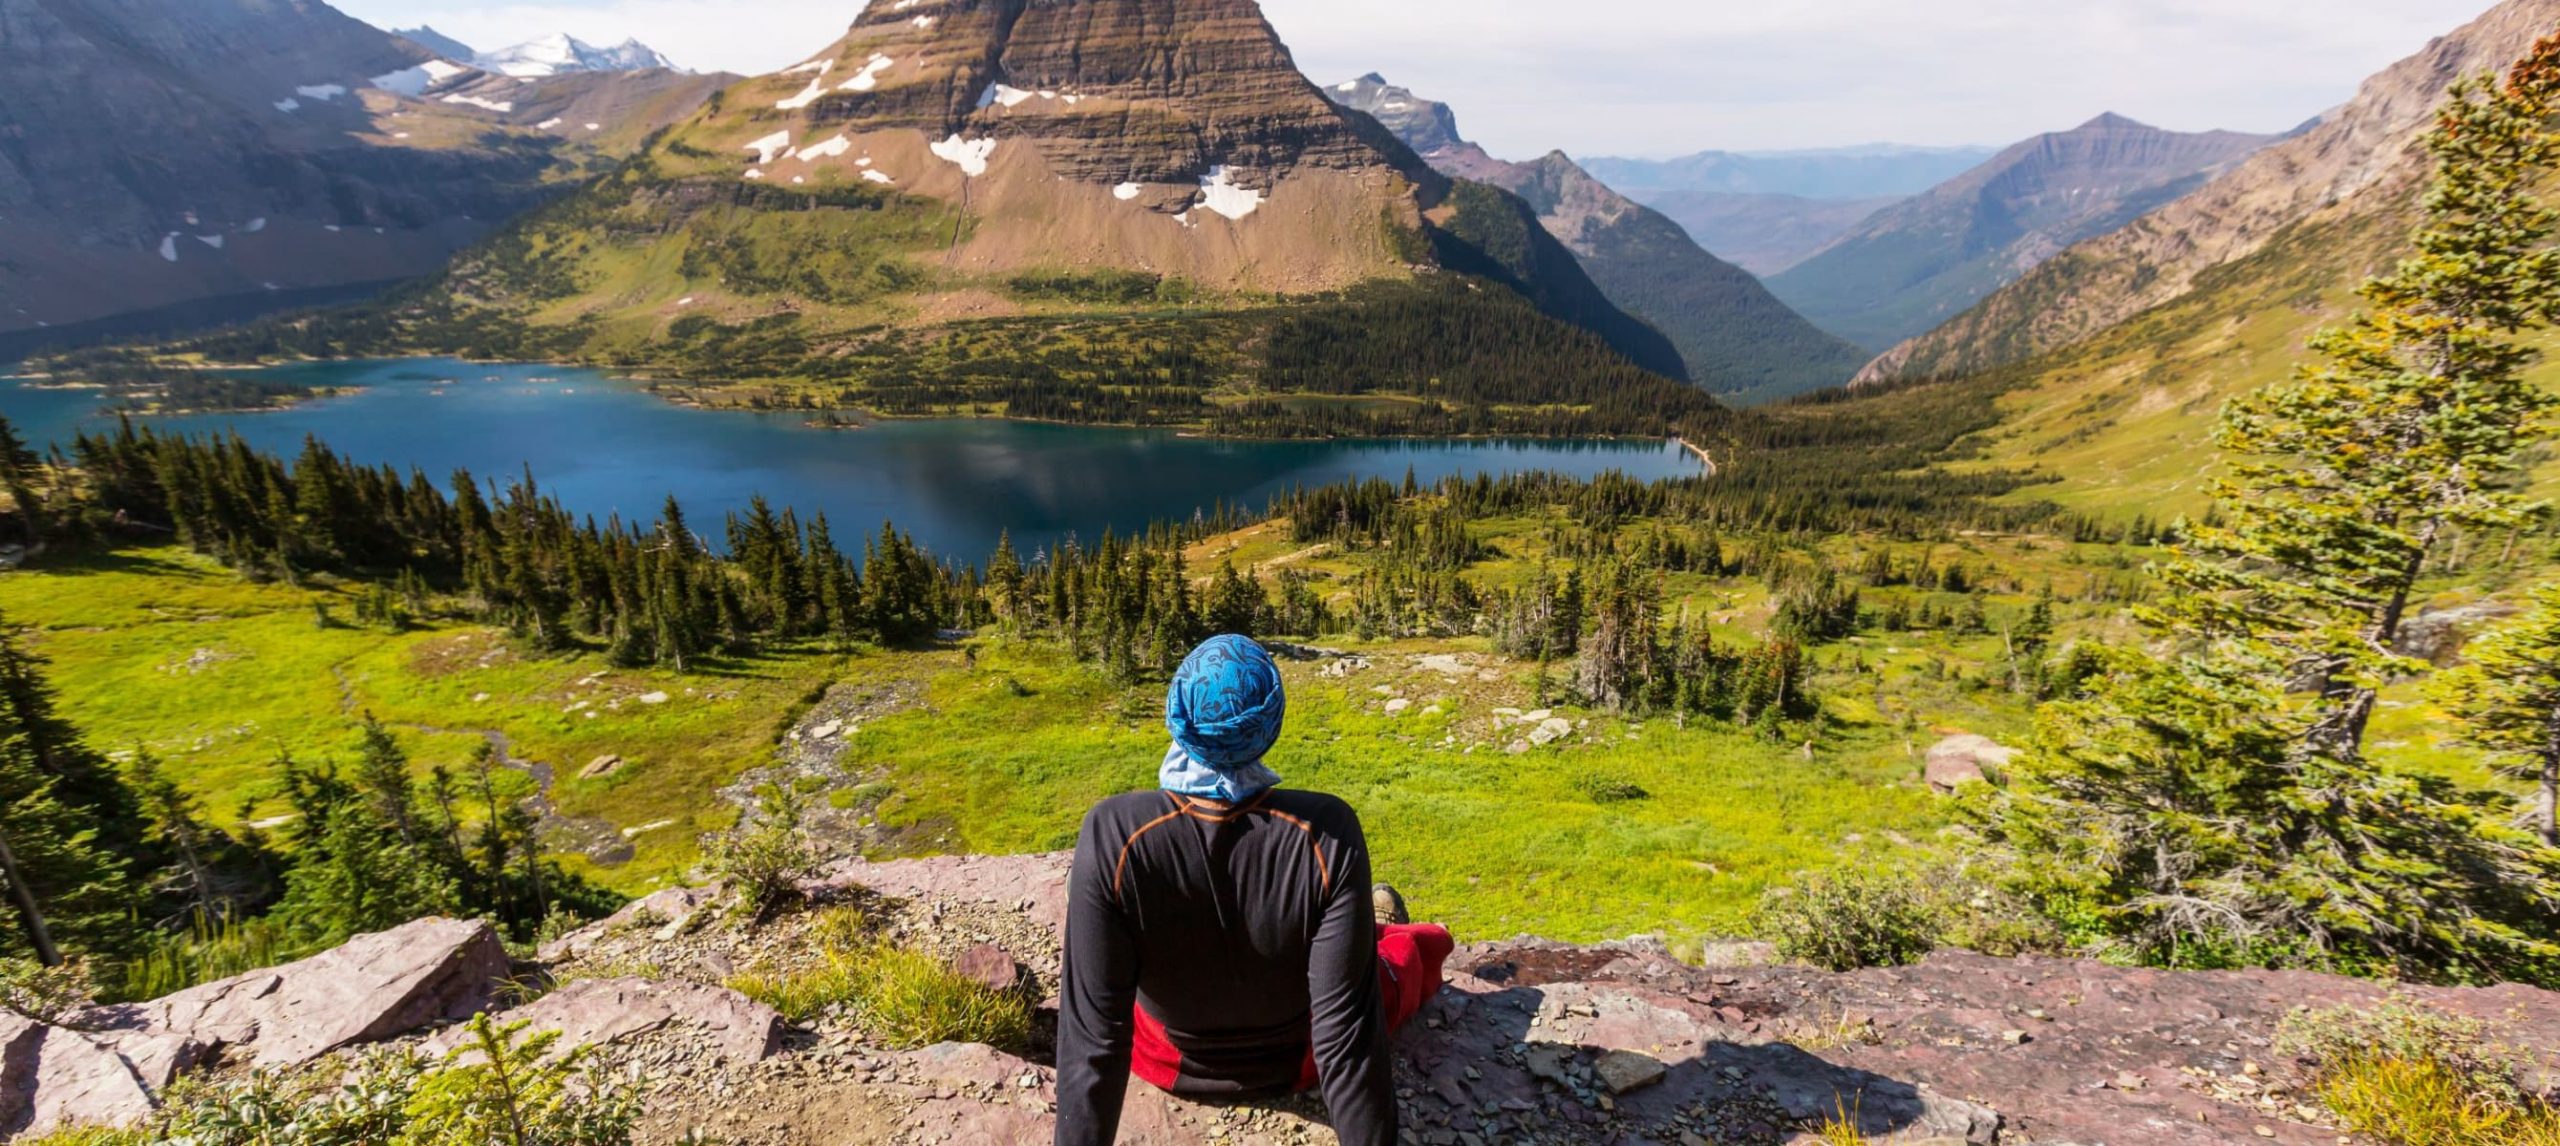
x=1763 y=234
x=560 y=54
x=164 y=154
x=425 y=36
x=1768 y=211
x=2360 y=162
x=1882 y=171
x=1119 y=210
x=1917 y=263
x=1732 y=337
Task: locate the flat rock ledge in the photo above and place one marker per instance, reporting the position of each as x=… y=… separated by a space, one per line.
x=104 y=1065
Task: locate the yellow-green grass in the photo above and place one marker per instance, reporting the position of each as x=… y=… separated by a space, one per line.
x=1004 y=749
x=167 y=652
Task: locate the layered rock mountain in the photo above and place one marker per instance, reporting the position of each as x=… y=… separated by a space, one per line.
x=165 y=154
x=1914 y=265
x=1733 y=337
x=562 y=53
x=2359 y=164
x=960 y=161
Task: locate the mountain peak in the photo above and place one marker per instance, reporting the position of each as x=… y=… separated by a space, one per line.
x=561 y=52
x=2110 y=121
x=425 y=36
x=1427 y=126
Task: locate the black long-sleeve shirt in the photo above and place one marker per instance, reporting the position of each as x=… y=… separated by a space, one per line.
x=1247 y=932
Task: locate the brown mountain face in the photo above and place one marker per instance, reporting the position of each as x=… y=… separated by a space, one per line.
x=1919 y=262
x=1733 y=338
x=1166 y=136
x=2359 y=161
x=163 y=153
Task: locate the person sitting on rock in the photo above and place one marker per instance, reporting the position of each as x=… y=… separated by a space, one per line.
x=1223 y=939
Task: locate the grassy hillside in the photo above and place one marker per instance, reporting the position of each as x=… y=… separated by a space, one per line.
x=999 y=744
x=2123 y=424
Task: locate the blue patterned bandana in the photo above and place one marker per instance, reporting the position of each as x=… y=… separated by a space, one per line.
x=1224 y=711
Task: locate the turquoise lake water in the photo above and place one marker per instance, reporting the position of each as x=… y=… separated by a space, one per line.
x=605 y=446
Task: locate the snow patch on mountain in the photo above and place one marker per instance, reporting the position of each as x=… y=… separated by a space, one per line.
x=770 y=146
x=828 y=150
x=414 y=82
x=1219 y=193
x=970 y=154
x=869 y=77
x=496 y=105
x=807 y=96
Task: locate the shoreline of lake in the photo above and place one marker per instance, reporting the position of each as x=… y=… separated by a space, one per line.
x=610 y=446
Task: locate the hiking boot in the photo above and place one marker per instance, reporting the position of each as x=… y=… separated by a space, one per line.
x=1387 y=905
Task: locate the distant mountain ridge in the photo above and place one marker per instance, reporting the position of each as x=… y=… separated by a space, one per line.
x=1916 y=264
x=161 y=155
x=1734 y=337
x=1869 y=172
x=2357 y=163
x=561 y=53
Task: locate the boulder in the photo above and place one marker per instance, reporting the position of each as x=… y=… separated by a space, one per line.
x=1623 y=1070
x=601 y=767
x=373 y=987
x=53 y=1077
x=722 y=1025
x=672 y=907
x=1965 y=759
x=2437 y=636
x=989 y=964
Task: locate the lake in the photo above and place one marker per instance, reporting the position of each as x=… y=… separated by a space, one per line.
x=605 y=446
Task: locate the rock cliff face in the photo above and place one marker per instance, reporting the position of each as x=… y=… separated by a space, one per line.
x=1732 y=337
x=2359 y=162
x=160 y=153
x=1919 y=262
x=1172 y=136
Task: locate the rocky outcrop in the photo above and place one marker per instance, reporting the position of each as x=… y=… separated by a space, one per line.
x=1543 y=1042
x=103 y=1066
x=371 y=988
x=1531 y=1041
x=1917 y=263
x=1731 y=335
x=2360 y=160
x=1965 y=759
x=52 y=1077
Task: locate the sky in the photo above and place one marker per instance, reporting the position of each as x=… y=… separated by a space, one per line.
x=1658 y=78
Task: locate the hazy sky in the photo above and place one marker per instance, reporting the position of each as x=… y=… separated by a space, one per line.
x=1668 y=77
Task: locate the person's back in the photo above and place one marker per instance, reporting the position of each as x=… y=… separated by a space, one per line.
x=1220 y=934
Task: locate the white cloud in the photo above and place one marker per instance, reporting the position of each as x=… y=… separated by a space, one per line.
x=1665 y=77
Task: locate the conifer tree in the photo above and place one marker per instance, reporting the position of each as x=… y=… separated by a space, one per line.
x=2508 y=699
x=2198 y=803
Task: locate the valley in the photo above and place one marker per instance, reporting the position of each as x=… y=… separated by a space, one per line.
x=1866 y=644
